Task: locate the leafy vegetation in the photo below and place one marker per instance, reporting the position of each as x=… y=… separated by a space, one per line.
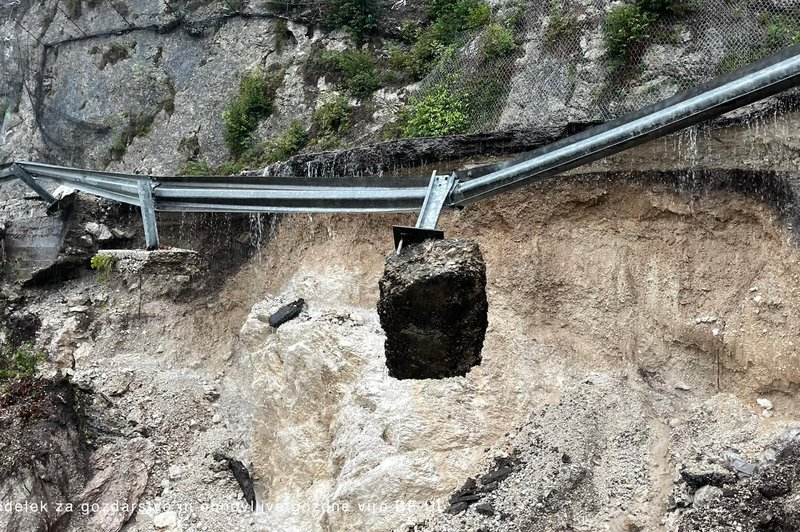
x=138 y=125
x=678 y=8
x=19 y=362
x=440 y=111
x=626 y=28
x=252 y=104
x=780 y=30
x=629 y=26
x=202 y=169
x=103 y=264
x=358 y=17
x=430 y=42
x=356 y=69
x=331 y=121
x=498 y=41
x=560 y=25
x=289 y=143
x=282 y=34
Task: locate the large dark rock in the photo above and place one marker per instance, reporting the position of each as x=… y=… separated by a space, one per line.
x=287 y=313
x=433 y=309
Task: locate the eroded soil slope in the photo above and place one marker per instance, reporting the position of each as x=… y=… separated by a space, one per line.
x=633 y=322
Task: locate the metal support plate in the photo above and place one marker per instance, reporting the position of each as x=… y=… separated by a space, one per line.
x=414 y=235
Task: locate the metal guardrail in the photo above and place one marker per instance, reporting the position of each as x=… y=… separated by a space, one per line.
x=767 y=77
x=228 y=194
x=763 y=78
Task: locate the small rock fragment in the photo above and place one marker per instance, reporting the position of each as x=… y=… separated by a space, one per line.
x=484 y=508
x=174 y=472
x=99 y=231
x=166 y=521
x=705 y=495
x=764 y=403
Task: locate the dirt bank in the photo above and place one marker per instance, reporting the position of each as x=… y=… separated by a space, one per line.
x=633 y=321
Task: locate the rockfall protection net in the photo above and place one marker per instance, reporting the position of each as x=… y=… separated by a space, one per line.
x=536 y=62
x=586 y=60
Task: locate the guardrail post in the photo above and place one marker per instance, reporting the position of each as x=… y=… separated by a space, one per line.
x=148 y=207
x=438 y=190
x=28 y=179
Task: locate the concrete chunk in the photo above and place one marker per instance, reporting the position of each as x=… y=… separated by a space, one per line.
x=433 y=309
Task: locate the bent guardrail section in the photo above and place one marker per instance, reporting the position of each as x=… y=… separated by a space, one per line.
x=759 y=80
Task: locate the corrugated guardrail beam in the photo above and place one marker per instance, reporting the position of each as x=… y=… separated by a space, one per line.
x=234 y=194
x=396 y=194
x=764 y=78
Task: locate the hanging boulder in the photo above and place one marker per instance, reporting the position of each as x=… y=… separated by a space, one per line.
x=433 y=309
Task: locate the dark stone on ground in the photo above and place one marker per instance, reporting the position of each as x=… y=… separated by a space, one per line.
x=484 y=508
x=22 y=327
x=287 y=313
x=242 y=476
x=457 y=508
x=768 y=500
x=465 y=498
x=433 y=309
x=698 y=478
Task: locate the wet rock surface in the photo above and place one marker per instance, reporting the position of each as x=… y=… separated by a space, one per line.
x=433 y=309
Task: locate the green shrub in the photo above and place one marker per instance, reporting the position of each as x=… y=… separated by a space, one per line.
x=357 y=69
x=331 y=120
x=197 y=169
x=289 y=143
x=358 y=17
x=780 y=31
x=560 y=25
x=16 y=363
x=448 y=18
x=282 y=34
x=252 y=104
x=460 y=15
x=486 y=92
x=103 y=264
x=666 y=7
x=202 y=169
x=439 y=112
x=627 y=26
x=138 y=125
x=498 y=41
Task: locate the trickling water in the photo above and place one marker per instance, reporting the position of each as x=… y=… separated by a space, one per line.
x=256 y=232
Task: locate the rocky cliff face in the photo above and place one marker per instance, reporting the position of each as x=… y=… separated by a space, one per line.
x=143 y=86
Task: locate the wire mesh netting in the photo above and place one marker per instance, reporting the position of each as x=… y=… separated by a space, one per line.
x=587 y=60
